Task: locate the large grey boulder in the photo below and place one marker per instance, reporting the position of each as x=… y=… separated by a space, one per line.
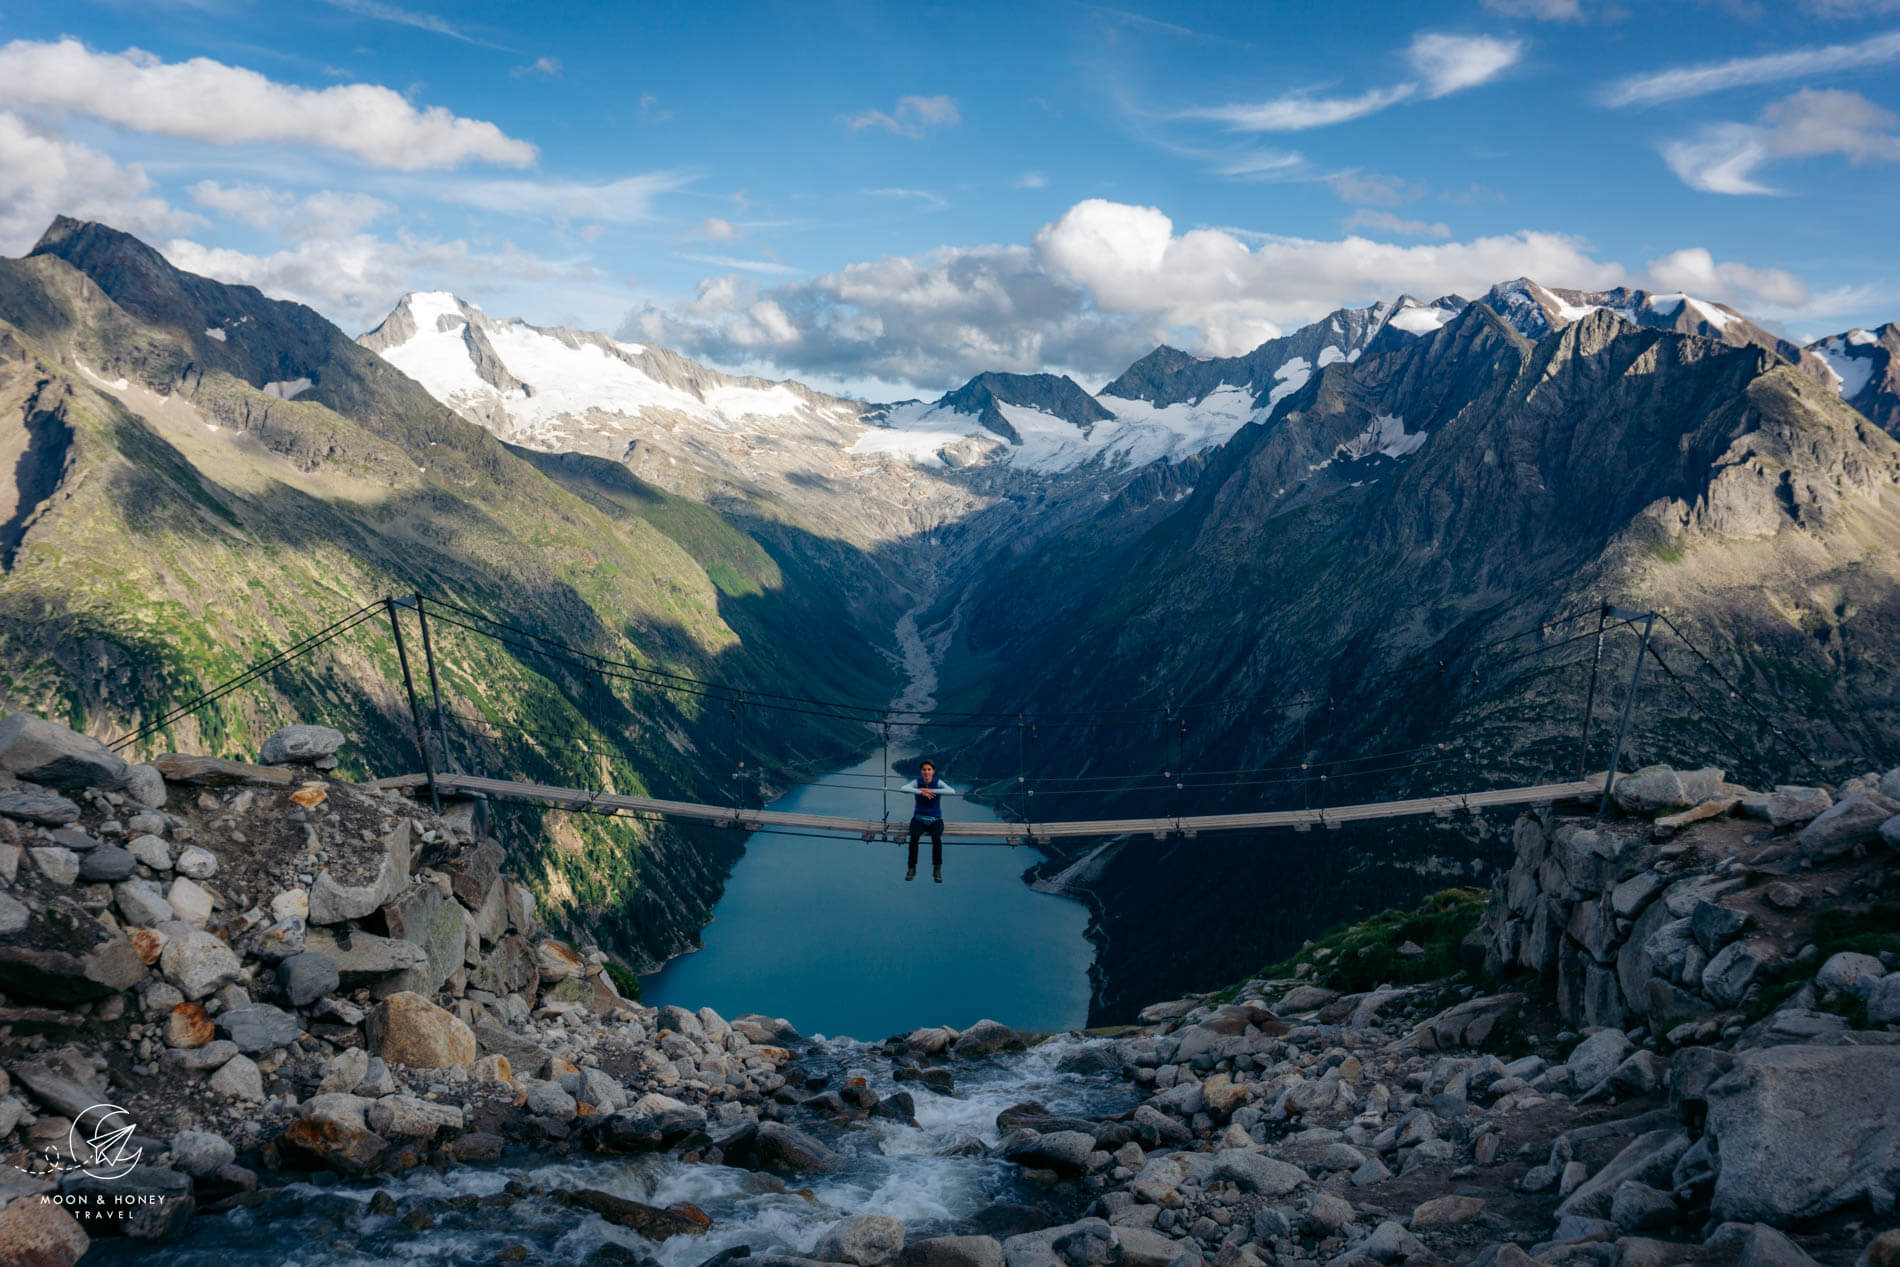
x=783 y=1147
x=1852 y=821
x=1729 y=974
x=88 y=960
x=48 y=809
x=35 y=750
x=341 y=894
x=305 y=978
x=1800 y=1131
x=1844 y=969
x=1883 y=1000
x=1065 y=1152
x=1596 y=1057
x=300 y=745
x=259 y=1028
x=1649 y=1159
x=1658 y=787
x=985 y=1037
x=197 y=962
x=1766 y=1247
x=953 y=1251
x=863 y=1240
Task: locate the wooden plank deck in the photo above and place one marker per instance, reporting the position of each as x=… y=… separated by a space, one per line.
x=991 y=833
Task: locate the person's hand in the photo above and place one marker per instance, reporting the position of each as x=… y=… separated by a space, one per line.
x=928 y=796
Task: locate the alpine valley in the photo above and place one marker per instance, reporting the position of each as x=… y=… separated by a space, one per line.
x=1252 y=557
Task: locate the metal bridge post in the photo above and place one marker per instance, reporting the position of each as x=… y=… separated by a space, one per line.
x=415 y=710
x=1629 y=700
x=1590 y=698
x=435 y=684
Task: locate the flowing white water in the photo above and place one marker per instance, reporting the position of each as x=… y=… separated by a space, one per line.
x=911 y=1173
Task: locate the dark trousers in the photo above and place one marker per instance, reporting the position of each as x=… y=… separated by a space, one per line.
x=934 y=826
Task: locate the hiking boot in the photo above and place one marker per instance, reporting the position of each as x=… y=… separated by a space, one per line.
x=911 y=874
x=936 y=873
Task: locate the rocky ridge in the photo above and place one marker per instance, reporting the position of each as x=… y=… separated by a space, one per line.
x=276 y=973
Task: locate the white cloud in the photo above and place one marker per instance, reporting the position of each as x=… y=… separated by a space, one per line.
x=928 y=199
x=1725 y=158
x=1696 y=271
x=326 y=214
x=1452 y=63
x=1366 y=218
x=912 y=116
x=379 y=12
x=1296 y=112
x=43 y=175
x=1373 y=188
x=206 y=100
x=624 y=201
x=1094 y=290
x=743 y=265
x=1445 y=63
x=354 y=280
x=715 y=229
x=1542 y=10
x=549 y=66
x=1679 y=82
x=1850 y=9
x=1031 y=180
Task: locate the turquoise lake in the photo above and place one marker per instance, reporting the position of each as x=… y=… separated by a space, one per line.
x=828 y=935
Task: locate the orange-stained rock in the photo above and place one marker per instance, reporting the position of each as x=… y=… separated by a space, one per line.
x=189 y=1025
x=40 y=1234
x=310 y=795
x=407 y=1029
x=147 y=944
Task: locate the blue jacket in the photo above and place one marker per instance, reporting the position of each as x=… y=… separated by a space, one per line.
x=929 y=808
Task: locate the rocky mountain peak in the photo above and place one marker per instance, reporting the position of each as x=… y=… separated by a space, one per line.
x=1057 y=395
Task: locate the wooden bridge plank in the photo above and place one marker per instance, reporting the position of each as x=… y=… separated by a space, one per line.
x=992 y=833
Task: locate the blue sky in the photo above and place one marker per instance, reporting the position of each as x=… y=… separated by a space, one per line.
x=892 y=198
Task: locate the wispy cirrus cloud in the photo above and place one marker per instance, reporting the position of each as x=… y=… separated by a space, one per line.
x=772 y=267
x=1441 y=65
x=376 y=11
x=624 y=201
x=928 y=199
x=1727 y=158
x=1680 y=82
x=911 y=116
x=206 y=100
x=1367 y=218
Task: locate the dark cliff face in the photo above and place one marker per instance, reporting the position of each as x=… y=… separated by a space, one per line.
x=179 y=523
x=1442 y=491
x=1168 y=376
x=1054 y=394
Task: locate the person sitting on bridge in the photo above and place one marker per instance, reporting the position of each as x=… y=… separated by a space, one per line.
x=927 y=817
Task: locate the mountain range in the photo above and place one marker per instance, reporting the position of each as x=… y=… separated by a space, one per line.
x=202 y=473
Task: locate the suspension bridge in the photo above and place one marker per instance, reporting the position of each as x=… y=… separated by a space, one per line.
x=439 y=776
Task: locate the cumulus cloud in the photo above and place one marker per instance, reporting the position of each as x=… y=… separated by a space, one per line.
x=354 y=280
x=43 y=175
x=1726 y=158
x=206 y=100
x=1444 y=64
x=1679 y=82
x=1091 y=292
x=912 y=116
x=1696 y=271
x=549 y=66
x=325 y=214
x=715 y=229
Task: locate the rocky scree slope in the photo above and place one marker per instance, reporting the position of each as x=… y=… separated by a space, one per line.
x=280 y=974
x=178 y=519
x=1446 y=490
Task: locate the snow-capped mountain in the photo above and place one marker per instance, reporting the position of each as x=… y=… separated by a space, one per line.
x=1865 y=365
x=1536 y=310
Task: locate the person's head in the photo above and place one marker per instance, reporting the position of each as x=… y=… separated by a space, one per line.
x=927 y=771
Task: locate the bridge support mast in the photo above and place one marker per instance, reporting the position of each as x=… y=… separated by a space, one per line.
x=415 y=709
x=1629 y=700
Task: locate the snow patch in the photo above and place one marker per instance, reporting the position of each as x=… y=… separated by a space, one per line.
x=1663 y=305
x=116 y=384
x=1851 y=373
x=289 y=389
x=1861 y=338
x=1288 y=379
x=1329 y=355
x=215 y=332
x=1710 y=313
x=1385 y=434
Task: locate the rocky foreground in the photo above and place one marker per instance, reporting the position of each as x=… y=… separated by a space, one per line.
x=280 y=977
